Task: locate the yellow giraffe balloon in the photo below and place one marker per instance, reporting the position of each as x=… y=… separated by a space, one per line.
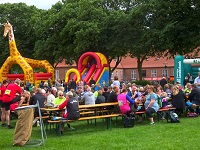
x=15 y=57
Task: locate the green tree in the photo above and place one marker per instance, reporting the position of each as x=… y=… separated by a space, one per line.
x=81 y=26
x=178 y=24
x=141 y=37
x=20 y=16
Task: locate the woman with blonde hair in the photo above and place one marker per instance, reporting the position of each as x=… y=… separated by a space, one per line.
x=60 y=99
x=178 y=99
x=151 y=104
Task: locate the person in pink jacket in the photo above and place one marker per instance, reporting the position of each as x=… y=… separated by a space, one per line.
x=124 y=102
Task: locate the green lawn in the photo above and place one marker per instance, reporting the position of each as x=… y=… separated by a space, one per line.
x=142 y=136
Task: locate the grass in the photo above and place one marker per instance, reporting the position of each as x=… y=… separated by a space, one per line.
x=142 y=136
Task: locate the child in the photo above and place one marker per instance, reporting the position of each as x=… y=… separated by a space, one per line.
x=164 y=100
x=164 y=103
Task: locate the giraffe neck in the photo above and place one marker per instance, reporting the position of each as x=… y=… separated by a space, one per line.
x=12 y=44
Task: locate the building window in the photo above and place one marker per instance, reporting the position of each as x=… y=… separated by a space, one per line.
x=133 y=74
x=144 y=73
x=165 y=73
x=153 y=73
x=112 y=75
x=116 y=73
x=121 y=74
x=57 y=76
x=65 y=72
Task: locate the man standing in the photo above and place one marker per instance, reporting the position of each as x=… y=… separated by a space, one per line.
x=3 y=111
x=92 y=82
x=73 y=84
x=12 y=95
x=163 y=81
x=197 y=80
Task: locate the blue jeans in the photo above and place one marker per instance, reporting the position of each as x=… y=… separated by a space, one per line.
x=189 y=106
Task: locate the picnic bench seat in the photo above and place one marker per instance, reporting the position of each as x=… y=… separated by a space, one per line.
x=86 y=112
x=107 y=117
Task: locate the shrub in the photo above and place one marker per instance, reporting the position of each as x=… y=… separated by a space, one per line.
x=142 y=82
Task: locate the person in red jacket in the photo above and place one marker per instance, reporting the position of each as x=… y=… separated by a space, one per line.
x=3 y=111
x=12 y=95
x=71 y=105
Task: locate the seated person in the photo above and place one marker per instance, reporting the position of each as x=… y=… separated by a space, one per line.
x=100 y=98
x=27 y=96
x=60 y=99
x=40 y=98
x=194 y=99
x=72 y=108
x=50 y=96
x=106 y=93
x=124 y=102
x=88 y=97
x=164 y=99
x=178 y=99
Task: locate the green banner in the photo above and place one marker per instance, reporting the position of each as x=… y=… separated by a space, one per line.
x=178 y=69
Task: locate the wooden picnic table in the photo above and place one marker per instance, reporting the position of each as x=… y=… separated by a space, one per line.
x=96 y=108
x=85 y=106
x=98 y=105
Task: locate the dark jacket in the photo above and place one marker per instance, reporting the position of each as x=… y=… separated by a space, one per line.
x=112 y=97
x=40 y=98
x=106 y=94
x=178 y=101
x=100 y=99
x=194 y=96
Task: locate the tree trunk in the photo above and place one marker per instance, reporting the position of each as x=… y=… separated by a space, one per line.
x=139 y=65
x=118 y=60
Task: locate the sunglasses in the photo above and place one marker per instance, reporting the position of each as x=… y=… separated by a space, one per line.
x=60 y=95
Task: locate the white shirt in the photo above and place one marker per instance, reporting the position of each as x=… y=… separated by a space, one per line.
x=50 y=98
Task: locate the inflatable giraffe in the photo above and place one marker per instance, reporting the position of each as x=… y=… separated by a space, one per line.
x=15 y=57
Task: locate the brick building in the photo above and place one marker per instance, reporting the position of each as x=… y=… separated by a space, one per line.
x=152 y=69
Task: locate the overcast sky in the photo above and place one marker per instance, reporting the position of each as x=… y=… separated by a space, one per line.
x=42 y=4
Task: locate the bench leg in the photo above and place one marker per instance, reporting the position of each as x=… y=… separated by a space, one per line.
x=109 y=123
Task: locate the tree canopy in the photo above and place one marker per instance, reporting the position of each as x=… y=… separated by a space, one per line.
x=112 y=27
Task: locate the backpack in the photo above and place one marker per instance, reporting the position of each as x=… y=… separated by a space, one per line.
x=173 y=117
x=128 y=120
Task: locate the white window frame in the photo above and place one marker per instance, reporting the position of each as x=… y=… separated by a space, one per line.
x=57 y=74
x=112 y=75
x=121 y=74
x=116 y=73
x=153 y=73
x=165 y=73
x=133 y=74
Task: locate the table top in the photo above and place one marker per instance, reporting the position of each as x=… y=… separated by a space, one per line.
x=98 y=105
x=85 y=106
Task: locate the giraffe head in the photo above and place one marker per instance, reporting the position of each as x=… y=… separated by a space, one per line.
x=7 y=27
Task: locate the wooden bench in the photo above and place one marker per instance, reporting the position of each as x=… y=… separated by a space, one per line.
x=107 y=117
x=160 y=110
x=86 y=112
x=57 y=124
x=43 y=117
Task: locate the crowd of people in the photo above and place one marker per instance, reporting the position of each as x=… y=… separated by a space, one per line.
x=130 y=97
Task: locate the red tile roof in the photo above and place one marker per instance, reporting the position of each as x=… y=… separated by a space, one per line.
x=129 y=62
